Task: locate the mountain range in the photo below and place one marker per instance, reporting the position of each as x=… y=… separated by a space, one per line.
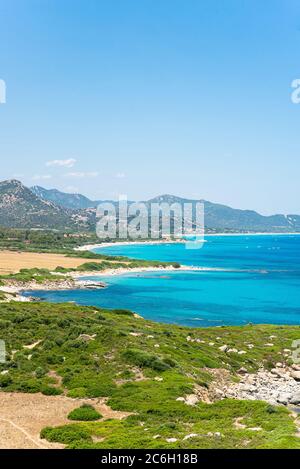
x=40 y=208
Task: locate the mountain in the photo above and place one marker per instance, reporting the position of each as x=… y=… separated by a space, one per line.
x=221 y=217
x=63 y=199
x=21 y=208
x=41 y=208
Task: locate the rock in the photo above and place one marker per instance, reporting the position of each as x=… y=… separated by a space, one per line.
x=180 y=399
x=242 y=352
x=156 y=436
x=217 y=435
x=158 y=378
x=4 y=372
x=255 y=429
x=211 y=344
x=232 y=350
x=242 y=371
x=156 y=345
x=223 y=348
x=279 y=365
x=250 y=346
x=295 y=367
x=284 y=398
x=295 y=375
x=171 y=440
x=269 y=345
x=295 y=399
x=191 y=399
x=286 y=350
x=191 y=435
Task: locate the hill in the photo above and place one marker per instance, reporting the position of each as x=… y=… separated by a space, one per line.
x=51 y=209
x=166 y=380
x=63 y=199
x=21 y=208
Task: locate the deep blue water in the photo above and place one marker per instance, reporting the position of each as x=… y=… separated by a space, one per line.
x=260 y=283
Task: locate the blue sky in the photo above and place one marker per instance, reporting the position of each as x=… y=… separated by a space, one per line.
x=190 y=97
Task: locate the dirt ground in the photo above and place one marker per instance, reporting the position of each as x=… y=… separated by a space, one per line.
x=22 y=417
x=12 y=261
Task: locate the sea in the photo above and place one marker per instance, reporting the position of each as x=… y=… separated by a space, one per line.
x=249 y=279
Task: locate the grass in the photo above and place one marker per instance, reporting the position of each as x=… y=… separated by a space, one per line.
x=112 y=354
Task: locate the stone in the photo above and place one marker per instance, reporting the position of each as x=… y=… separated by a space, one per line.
x=279 y=365
x=223 y=348
x=191 y=399
x=171 y=440
x=191 y=435
x=284 y=398
x=295 y=375
x=295 y=399
x=242 y=371
x=180 y=399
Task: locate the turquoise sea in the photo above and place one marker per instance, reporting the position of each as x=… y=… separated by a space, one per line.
x=258 y=281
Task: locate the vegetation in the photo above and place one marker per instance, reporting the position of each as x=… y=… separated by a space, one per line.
x=142 y=368
x=85 y=412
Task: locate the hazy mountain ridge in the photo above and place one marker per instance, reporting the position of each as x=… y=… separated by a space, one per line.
x=21 y=208
x=42 y=208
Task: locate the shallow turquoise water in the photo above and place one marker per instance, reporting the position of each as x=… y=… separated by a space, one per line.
x=261 y=283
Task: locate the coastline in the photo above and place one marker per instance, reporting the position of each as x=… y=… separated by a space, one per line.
x=90 y=247
x=74 y=280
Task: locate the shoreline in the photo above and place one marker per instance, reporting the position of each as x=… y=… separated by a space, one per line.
x=90 y=247
x=74 y=280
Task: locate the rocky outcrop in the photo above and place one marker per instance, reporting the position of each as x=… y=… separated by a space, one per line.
x=278 y=386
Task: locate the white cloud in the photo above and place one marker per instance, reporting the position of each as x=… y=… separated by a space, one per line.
x=79 y=174
x=41 y=177
x=69 y=163
x=120 y=175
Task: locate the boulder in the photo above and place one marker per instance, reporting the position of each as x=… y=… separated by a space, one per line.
x=295 y=375
x=295 y=399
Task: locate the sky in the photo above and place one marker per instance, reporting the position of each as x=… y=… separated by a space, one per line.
x=146 y=97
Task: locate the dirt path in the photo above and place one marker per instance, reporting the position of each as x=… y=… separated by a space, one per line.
x=22 y=417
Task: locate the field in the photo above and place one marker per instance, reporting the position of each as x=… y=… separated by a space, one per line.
x=12 y=261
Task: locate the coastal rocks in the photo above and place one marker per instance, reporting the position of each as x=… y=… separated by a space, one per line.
x=278 y=386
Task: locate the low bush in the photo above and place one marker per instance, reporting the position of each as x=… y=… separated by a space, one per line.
x=85 y=412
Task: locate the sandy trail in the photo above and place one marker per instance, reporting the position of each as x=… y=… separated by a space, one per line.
x=22 y=417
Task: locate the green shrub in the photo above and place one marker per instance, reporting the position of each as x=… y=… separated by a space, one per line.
x=77 y=392
x=65 y=434
x=51 y=391
x=5 y=380
x=85 y=412
x=144 y=359
x=40 y=372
